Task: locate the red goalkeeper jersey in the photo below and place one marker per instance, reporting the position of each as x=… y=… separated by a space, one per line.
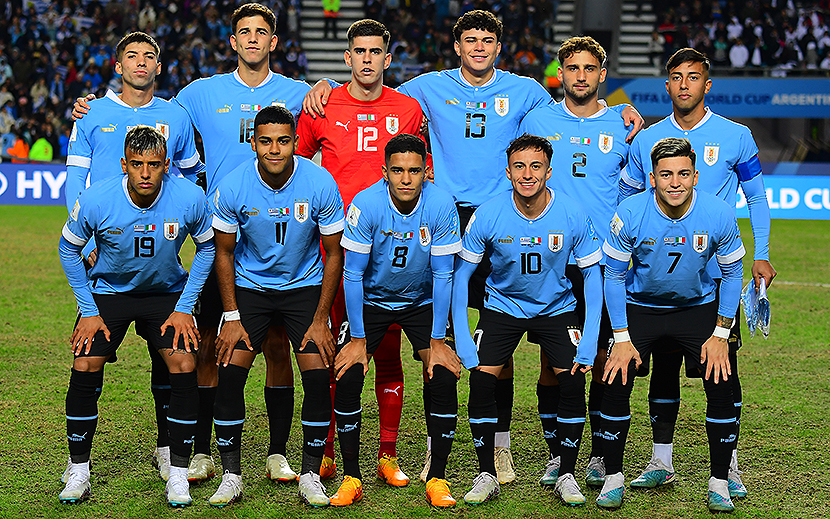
x=354 y=134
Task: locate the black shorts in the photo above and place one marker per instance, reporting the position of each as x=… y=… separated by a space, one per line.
x=148 y=311
x=497 y=336
x=662 y=330
x=294 y=309
x=208 y=310
x=416 y=323
x=476 y=290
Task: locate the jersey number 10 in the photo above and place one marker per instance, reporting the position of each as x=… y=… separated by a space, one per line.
x=531 y=263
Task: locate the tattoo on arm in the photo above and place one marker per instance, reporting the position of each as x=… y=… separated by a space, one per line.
x=724 y=322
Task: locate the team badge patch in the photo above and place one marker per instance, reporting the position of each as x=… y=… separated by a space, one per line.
x=700 y=242
x=163 y=129
x=576 y=335
x=424 y=236
x=616 y=224
x=605 y=142
x=392 y=125
x=502 y=105
x=301 y=211
x=353 y=216
x=75 y=210
x=555 y=241
x=171 y=230
x=710 y=155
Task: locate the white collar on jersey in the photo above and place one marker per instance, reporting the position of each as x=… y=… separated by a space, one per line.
x=599 y=113
x=543 y=213
x=392 y=204
x=264 y=81
x=130 y=200
x=695 y=127
x=287 y=183
x=489 y=81
x=687 y=213
x=112 y=96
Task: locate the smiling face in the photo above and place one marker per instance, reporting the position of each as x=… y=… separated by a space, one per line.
x=274 y=145
x=139 y=65
x=367 y=57
x=478 y=51
x=528 y=171
x=673 y=180
x=144 y=174
x=253 y=40
x=581 y=74
x=405 y=173
x=687 y=85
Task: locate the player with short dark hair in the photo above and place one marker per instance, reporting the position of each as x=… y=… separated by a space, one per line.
x=667 y=299
x=139 y=221
x=400 y=239
x=588 y=140
x=729 y=159
x=529 y=233
x=282 y=206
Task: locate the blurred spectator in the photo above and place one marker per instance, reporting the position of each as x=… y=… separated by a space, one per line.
x=331 y=11
x=20 y=150
x=738 y=54
x=41 y=150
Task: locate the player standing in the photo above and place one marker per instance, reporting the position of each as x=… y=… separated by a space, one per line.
x=588 y=141
x=730 y=158
x=363 y=115
x=529 y=233
x=281 y=206
x=139 y=222
x=401 y=238
x=667 y=299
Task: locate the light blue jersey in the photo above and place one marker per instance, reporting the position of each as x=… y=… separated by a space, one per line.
x=726 y=156
x=279 y=230
x=223 y=109
x=471 y=127
x=588 y=155
x=96 y=144
x=529 y=256
x=138 y=248
x=669 y=257
x=399 y=275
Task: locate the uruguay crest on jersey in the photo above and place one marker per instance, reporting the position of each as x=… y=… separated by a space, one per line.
x=700 y=242
x=555 y=241
x=164 y=129
x=424 y=235
x=171 y=230
x=502 y=105
x=301 y=211
x=392 y=125
x=710 y=155
x=605 y=142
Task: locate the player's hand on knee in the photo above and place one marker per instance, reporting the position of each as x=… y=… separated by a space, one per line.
x=316 y=99
x=763 y=269
x=184 y=326
x=231 y=334
x=81 y=107
x=93 y=257
x=84 y=332
x=622 y=353
x=320 y=334
x=632 y=118
x=353 y=353
x=715 y=353
x=581 y=367
x=442 y=355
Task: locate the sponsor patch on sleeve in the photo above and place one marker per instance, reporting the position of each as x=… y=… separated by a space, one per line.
x=616 y=225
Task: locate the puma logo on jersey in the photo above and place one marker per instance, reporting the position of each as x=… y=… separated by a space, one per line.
x=395 y=391
x=345 y=126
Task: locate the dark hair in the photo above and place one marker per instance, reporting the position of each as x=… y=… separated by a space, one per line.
x=275 y=115
x=252 y=9
x=405 y=143
x=135 y=37
x=671 y=147
x=576 y=44
x=478 y=19
x=141 y=139
x=686 y=55
x=368 y=28
x=527 y=142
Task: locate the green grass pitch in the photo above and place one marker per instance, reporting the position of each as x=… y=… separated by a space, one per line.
x=784 y=436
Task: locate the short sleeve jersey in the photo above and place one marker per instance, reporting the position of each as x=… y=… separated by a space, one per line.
x=354 y=134
x=223 y=109
x=670 y=256
x=97 y=140
x=588 y=155
x=138 y=248
x=399 y=274
x=279 y=230
x=529 y=256
x=471 y=127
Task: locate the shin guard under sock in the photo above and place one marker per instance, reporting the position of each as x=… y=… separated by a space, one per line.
x=483 y=418
x=443 y=419
x=204 y=420
x=595 y=393
x=229 y=415
x=570 y=418
x=504 y=404
x=82 y=412
x=347 y=412
x=720 y=426
x=389 y=391
x=664 y=396
x=316 y=417
x=616 y=419
x=279 y=403
x=160 y=388
x=548 y=405
x=182 y=413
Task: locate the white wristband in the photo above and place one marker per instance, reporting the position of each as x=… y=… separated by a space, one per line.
x=721 y=332
x=231 y=316
x=621 y=337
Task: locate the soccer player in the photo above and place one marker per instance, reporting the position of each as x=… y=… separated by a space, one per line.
x=473 y=112
x=730 y=158
x=587 y=139
x=400 y=239
x=139 y=221
x=667 y=299
x=281 y=205
x=97 y=144
x=529 y=233
x=363 y=116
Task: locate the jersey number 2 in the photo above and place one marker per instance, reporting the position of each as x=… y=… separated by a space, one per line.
x=583 y=159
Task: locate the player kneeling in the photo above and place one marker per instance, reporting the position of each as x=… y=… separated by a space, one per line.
x=400 y=239
x=529 y=233
x=670 y=233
